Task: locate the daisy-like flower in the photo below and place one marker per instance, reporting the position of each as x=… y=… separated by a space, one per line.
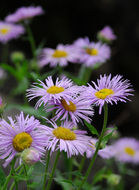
x=105 y=153
x=106 y=34
x=126 y=150
x=16 y=136
x=64 y=138
x=91 y=52
x=59 y=56
x=24 y=13
x=76 y=109
x=9 y=31
x=109 y=90
x=62 y=89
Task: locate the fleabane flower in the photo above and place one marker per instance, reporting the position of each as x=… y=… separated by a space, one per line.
x=20 y=134
x=64 y=138
x=59 y=56
x=74 y=110
x=61 y=89
x=106 y=34
x=91 y=52
x=9 y=31
x=109 y=90
x=126 y=150
x=24 y=13
x=105 y=153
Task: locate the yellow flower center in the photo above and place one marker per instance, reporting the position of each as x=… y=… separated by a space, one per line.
x=59 y=54
x=4 y=31
x=64 y=133
x=103 y=93
x=130 y=151
x=71 y=107
x=22 y=141
x=55 y=90
x=92 y=51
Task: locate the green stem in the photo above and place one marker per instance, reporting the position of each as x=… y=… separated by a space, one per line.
x=46 y=169
x=85 y=74
x=9 y=176
x=53 y=171
x=98 y=146
x=25 y=170
x=31 y=40
x=82 y=163
x=70 y=169
x=13 y=184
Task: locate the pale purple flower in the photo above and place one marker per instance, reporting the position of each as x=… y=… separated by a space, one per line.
x=91 y=52
x=59 y=56
x=24 y=13
x=107 y=33
x=108 y=90
x=64 y=138
x=17 y=135
x=61 y=89
x=10 y=31
x=126 y=150
x=105 y=153
x=75 y=110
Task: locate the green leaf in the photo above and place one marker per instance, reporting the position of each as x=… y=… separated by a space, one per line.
x=10 y=69
x=20 y=177
x=2 y=177
x=66 y=184
x=99 y=175
x=21 y=88
x=106 y=138
x=34 y=76
x=34 y=184
x=91 y=128
x=29 y=110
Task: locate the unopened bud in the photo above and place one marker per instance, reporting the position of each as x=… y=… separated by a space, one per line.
x=17 y=56
x=113 y=179
x=30 y=156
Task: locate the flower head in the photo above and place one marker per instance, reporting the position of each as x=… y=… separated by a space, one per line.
x=91 y=52
x=62 y=89
x=106 y=34
x=59 y=56
x=126 y=150
x=108 y=90
x=10 y=31
x=75 y=110
x=64 y=138
x=18 y=135
x=24 y=13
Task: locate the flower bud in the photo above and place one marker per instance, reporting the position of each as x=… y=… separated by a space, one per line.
x=17 y=56
x=113 y=179
x=106 y=35
x=30 y=156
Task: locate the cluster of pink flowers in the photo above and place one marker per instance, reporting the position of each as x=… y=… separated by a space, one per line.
x=71 y=105
x=81 y=51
